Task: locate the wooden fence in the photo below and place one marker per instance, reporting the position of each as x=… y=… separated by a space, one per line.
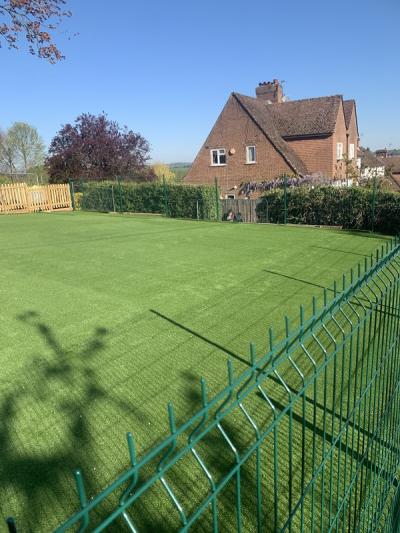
x=246 y=208
x=19 y=198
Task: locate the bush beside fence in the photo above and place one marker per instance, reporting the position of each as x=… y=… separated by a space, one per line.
x=177 y=201
x=351 y=208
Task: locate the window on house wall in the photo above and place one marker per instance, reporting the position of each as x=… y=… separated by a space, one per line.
x=351 y=151
x=218 y=157
x=250 y=154
x=339 y=151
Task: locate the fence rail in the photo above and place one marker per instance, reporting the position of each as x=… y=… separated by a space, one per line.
x=306 y=439
x=19 y=198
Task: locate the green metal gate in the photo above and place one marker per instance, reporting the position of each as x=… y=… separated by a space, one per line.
x=306 y=439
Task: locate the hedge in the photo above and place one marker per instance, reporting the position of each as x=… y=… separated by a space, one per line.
x=350 y=208
x=178 y=201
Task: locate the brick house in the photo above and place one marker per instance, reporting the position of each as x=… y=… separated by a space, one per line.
x=392 y=167
x=259 y=139
x=370 y=166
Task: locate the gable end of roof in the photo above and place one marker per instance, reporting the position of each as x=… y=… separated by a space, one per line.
x=348 y=107
x=259 y=112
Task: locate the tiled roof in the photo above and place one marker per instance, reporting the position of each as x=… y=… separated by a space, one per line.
x=395 y=179
x=368 y=159
x=313 y=116
x=264 y=117
x=348 y=106
x=391 y=162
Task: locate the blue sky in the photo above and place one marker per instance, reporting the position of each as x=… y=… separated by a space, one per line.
x=165 y=68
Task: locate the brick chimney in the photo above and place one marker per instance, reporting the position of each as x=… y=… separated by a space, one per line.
x=271 y=91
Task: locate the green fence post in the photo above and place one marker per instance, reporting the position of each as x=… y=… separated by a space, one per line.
x=12 y=528
x=82 y=191
x=120 y=194
x=285 y=200
x=165 y=192
x=72 y=193
x=113 y=197
x=217 y=199
x=373 y=204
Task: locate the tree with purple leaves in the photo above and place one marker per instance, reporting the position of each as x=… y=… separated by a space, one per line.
x=96 y=148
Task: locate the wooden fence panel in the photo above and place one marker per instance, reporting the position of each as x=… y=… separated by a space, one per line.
x=60 y=196
x=19 y=198
x=246 y=208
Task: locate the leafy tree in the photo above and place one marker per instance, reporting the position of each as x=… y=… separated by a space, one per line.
x=21 y=148
x=21 y=154
x=352 y=171
x=35 y=20
x=8 y=154
x=161 y=170
x=28 y=145
x=96 y=148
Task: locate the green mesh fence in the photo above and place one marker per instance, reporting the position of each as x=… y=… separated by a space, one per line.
x=171 y=200
x=306 y=439
x=349 y=207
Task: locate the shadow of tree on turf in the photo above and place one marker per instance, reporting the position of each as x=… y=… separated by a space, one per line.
x=38 y=457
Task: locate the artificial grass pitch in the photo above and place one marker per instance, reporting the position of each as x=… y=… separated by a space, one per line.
x=105 y=318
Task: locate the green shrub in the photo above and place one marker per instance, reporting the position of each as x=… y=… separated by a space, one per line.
x=175 y=200
x=350 y=208
x=78 y=200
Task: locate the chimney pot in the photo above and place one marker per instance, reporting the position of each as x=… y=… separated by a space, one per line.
x=270 y=91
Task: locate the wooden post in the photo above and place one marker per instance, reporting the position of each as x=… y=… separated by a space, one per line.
x=28 y=198
x=49 y=198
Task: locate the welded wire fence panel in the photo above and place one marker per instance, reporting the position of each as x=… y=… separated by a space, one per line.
x=349 y=207
x=306 y=439
x=170 y=200
x=104 y=197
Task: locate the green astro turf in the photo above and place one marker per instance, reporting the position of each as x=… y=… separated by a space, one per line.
x=104 y=319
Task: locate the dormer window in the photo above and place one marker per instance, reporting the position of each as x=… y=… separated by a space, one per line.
x=250 y=154
x=218 y=157
x=339 y=151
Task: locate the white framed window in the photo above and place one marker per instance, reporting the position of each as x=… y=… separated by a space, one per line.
x=218 y=157
x=250 y=154
x=339 y=151
x=351 y=151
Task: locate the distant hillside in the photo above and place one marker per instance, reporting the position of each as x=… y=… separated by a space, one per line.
x=180 y=170
x=179 y=165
